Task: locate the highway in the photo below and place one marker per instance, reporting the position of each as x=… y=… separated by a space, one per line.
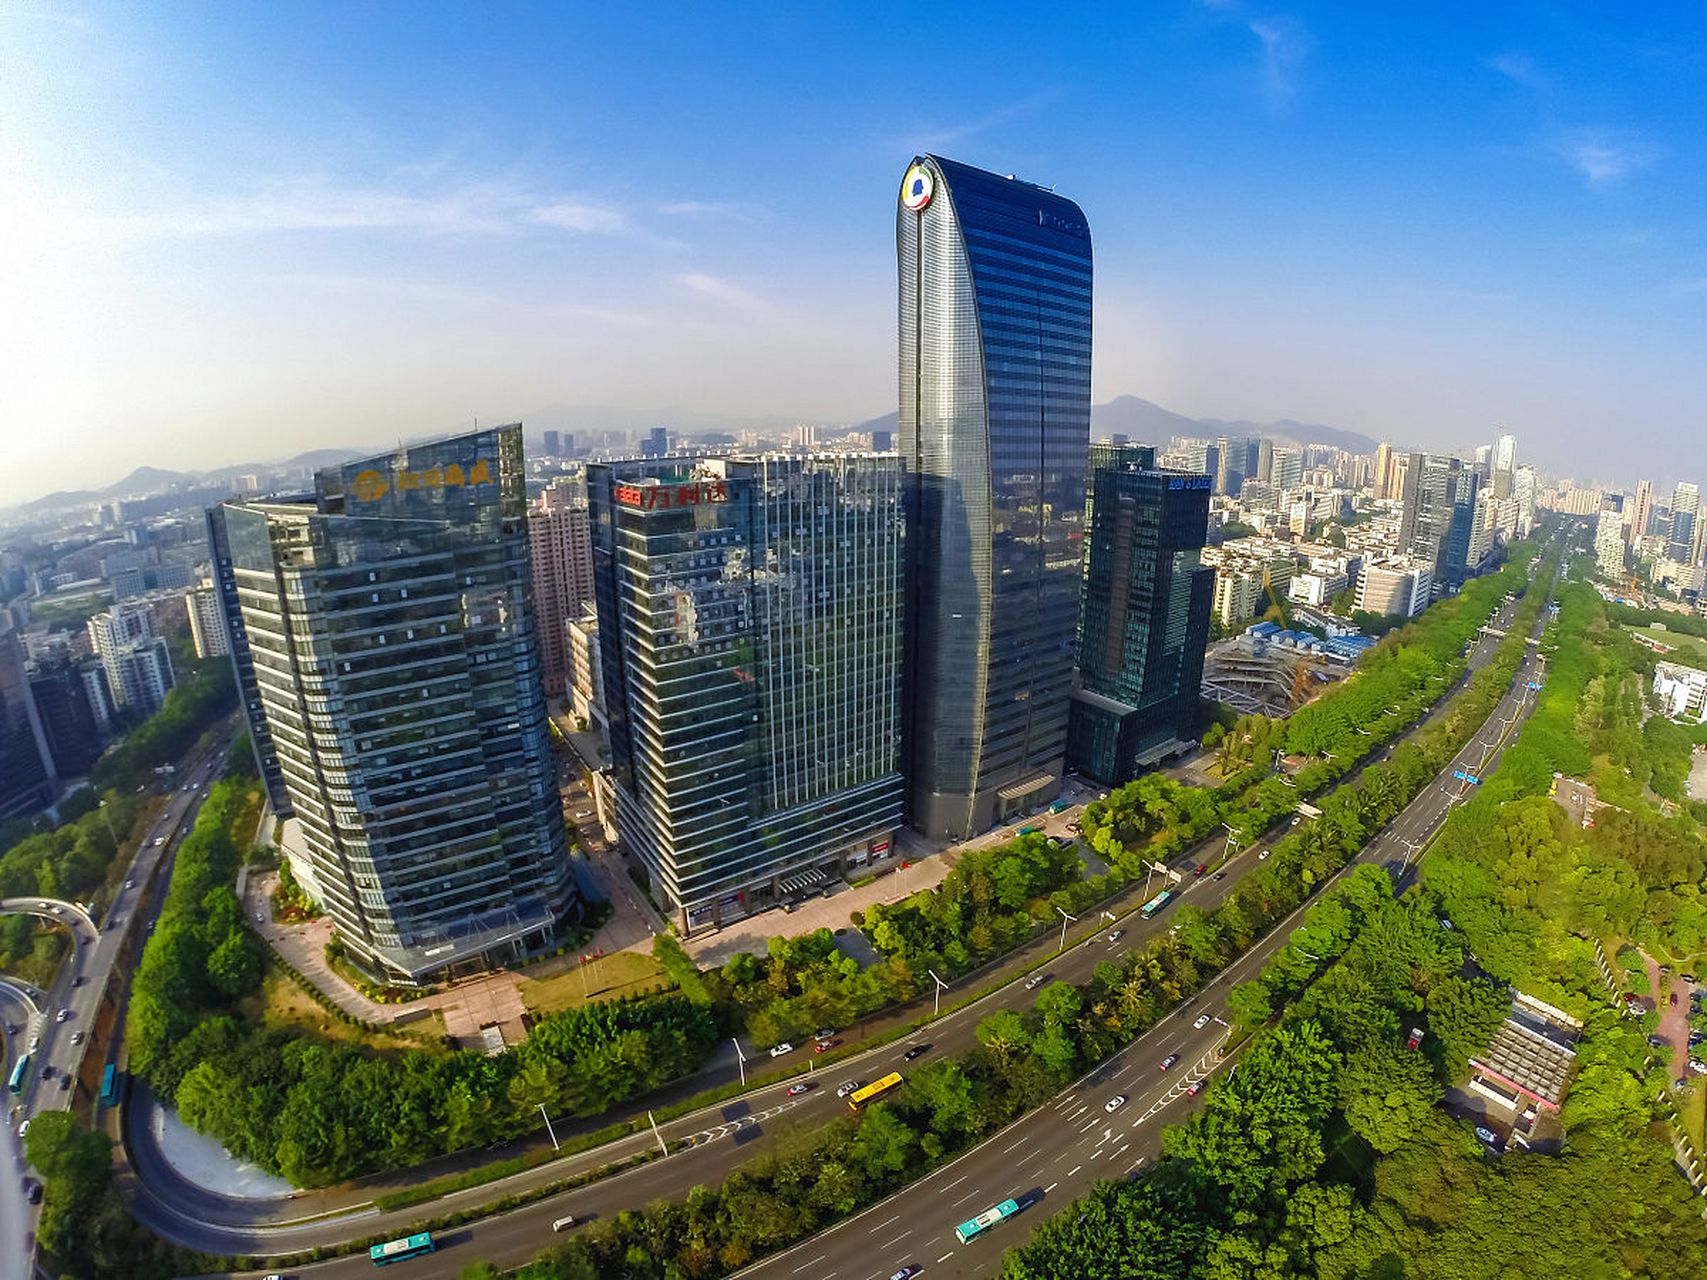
x=726 y=1136
x=70 y=1023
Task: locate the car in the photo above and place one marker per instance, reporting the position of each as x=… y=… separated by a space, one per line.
x=47 y=1072
x=1674 y=999
x=35 y=1042
x=80 y=979
x=130 y=884
x=1698 y=1067
x=260 y=918
x=32 y=1190
x=159 y=840
x=1195 y=1088
x=77 y=1037
x=564 y=1223
x=915 y=1051
x=1202 y=1022
x=1115 y=1103
x=115 y=922
x=1035 y=981
x=582 y=814
x=795 y=1090
x=777 y=1050
x=23 y=1129
x=1169 y=1061
x=62 y=1015
x=824 y=1046
x=1656 y=1042
x=64 y=1083
x=11 y=1028
x=905 y=1273
x=848 y=1086
x=1487 y=1135
x=57 y=909
x=826 y=1034
x=1219 y=875
x=1201 y=869
x=1263 y=856
x=1115 y=935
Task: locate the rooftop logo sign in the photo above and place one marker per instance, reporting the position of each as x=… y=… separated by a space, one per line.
x=372 y=485
x=917 y=188
x=671 y=497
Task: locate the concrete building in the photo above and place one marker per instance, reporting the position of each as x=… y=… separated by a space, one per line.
x=207 y=623
x=561 y=553
x=750 y=638
x=1235 y=595
x=1681 y=691
x=1609 y=544
x=135 y=659
x=1400 y=587
x=586 y=671
x=390 y=623
x=1641 y=513
x=68 y=718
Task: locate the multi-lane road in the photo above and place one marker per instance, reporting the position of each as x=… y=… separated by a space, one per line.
x=63 y=1028
x=709 y=1144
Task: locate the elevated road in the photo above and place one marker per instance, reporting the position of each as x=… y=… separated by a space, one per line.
x=727 y=1136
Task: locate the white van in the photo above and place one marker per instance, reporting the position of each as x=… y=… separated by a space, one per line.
x=563 y=1224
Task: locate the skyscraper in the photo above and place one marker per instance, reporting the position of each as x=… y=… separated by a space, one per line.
x=390 y=623
x=749 y=633
x=242 y=663
x=27 y=777
x=553 y=445
x=1286 y=471
x=1439 y=516
x=1144 y=614
x=1641 y=511
x=1505 y=453
x=1383 y=464
x=561 y=552
x=68 y=719
x=995 y=346
x=137 y=662
x=1685 y=515
x=207 y=623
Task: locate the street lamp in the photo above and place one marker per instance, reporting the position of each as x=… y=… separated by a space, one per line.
x=554 y=1143
x=1064 y=919
x=941 y=986
x=740 y=1059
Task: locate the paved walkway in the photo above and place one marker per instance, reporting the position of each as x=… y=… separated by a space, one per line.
x=1674 y=1018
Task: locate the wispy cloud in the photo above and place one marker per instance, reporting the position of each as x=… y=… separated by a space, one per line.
x=935 y=139
x=1521 y=70
x=703 y=209
x=1286 y=43
x=1605 y=156
x=313 y=204
x=723 y=290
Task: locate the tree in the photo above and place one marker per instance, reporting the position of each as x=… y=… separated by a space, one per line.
x=1463 y=1015
x=1386 y=1092
x=884 y=1142
x=1003 y=1032
x=1250 y=1003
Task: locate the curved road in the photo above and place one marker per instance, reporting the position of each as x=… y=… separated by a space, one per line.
x=727 y=1136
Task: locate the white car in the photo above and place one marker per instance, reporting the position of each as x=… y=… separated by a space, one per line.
x=847 y=1087
x=1116 y=1102
x=23 y=1128
x=1201 y=1023
x=62 y=1015
x=130 y=884
x=159 y=840
x=777 y=1050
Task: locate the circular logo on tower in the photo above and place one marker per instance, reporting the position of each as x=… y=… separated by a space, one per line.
x=369 y=486
x=916 y=188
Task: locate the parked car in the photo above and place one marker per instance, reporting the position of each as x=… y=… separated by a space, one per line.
x=1487 y=1135
x=1115 y=1103
x=826 y=1034
x=824 y=1046
x=777 y=1050
x=1262 y=855
x=32 y=1190
x=1169 y=1061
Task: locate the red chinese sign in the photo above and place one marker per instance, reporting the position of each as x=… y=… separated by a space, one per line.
x=671 y=497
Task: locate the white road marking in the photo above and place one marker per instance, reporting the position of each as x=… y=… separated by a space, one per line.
x=1074 y=1169
x=945 y=1257
x=1020 y=1143
x=886 y=1222
x=897 y=1240
x=1050 y=1187
x=963 y=1199
x=951 y=1186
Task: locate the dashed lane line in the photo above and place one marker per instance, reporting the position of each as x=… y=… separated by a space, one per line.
x=1050 y=1187
x=1074 y=1169
x=945 y=1257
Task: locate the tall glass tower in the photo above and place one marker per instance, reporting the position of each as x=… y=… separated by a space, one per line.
x=995 y=381
x=388 y=625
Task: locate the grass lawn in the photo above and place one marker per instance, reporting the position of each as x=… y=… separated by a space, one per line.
x=1691 y=1108
x=1691 y=650
x=621 y=973
x=282 y=1004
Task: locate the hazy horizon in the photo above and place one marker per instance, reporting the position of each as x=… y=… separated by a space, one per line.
x=238 y=234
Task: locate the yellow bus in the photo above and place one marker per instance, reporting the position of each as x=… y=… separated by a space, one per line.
x=876 y=1089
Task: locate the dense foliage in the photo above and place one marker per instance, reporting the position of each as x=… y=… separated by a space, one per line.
x=318 y=1112
x=188 y=711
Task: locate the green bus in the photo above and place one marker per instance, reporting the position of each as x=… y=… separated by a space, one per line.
x=397 y=1250
x=984 y=1221
x=20 y=1073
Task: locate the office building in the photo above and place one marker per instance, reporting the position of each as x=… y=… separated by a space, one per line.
x=1236 y=593
x=1144 y=617
x=1681 y=691
x=136 y=661
x=1609 y=545
x=68 y=718
x=207 y=622
x=586 y=670
x=390 y=624
x=1265 y=460
x=1395 y=587
x=749 y=634
x=562 y=557
x=553 y=445
x=1383 y=465
x=28 y=781
x=995 y=347
x=1641 y=512
x=882 y=441
x=655 y=443
x=1286 y=471
x=1439 y=516
x=243 y=664
x=1504 y=453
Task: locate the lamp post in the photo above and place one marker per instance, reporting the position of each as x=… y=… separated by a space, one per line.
x=941 y=986
x=554 y=1143
x=1064 y=919
x=741 y=1060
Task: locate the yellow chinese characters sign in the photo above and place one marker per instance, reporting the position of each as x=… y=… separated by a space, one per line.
x=371 y=485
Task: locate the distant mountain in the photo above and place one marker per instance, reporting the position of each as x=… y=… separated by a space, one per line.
x=146 y=480
x=1145 y=421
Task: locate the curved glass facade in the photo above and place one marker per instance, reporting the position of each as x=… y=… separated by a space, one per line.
x=995 y=403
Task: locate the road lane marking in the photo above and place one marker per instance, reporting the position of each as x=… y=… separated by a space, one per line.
x=1050 y=1187
x=1020 y=1143
x=886 y=1222
x=951 y=1186
x=969 y=1195
x=945 y=1257
x=897 y=1240
x=1074 y=1169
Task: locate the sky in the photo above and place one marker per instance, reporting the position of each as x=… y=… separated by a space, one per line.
x=232 y=232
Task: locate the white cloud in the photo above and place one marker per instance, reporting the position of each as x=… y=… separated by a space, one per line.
x=577 y=217
x=723 y=290
x=1520 y=69
x=702 y=208
x=1605 y=156
x=1286 y=43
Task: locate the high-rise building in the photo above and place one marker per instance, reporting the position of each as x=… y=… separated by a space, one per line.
x=1144 y=615
x=656 y=443
x=1439 y=516
x=1484 y=459
x=586 y=670
x=207 y=622
x=68 y=719
x=995 y=347
x=1504 y=453
x=242 y=663
x=1609 y=544
x=137 y=662
x=1287 y=469
x=562 y=558
x=1685 y=515
x=1383 y=464
x=882 y=441
x=1391 y=587
x=1236 y=593
x=1265 y=460
x=390 y=623
x=749 y=633
x=1230 y=465
x=1641 y=512
x=553 y=445
x=27 y=776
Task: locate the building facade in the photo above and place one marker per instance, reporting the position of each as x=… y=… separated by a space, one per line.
x=562 y=555
x=1681 y=691
x=1144 y=616
x=243 y=664
x=207 y=623
x=995 y=344
x=749 y=634
x=68 y=718
x=1395 y=587
x=1439 y=517
x=135 y=659
x=28 y=780
x=389 y=622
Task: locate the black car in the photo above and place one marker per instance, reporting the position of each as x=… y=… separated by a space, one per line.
x=32 y=1190
x=914 y=1051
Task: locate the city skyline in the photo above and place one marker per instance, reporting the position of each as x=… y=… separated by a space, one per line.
x=197 y=267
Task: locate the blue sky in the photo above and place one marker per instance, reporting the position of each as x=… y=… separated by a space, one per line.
x=236 y=231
